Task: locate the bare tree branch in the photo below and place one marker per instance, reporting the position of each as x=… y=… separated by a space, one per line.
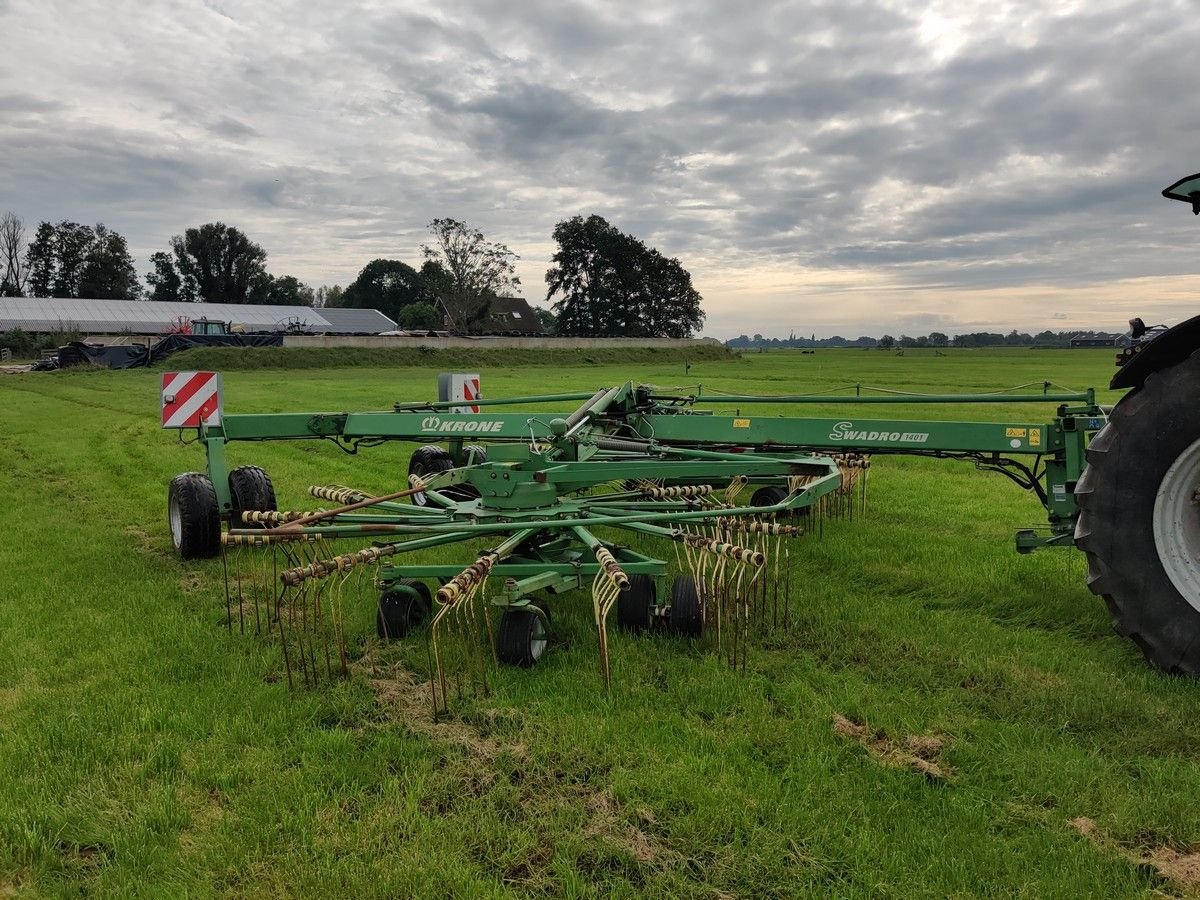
x=12 y=252
x=478 y=270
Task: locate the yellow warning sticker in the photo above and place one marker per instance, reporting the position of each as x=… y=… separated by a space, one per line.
x=741 y=423
x=1035 y=437
x=1014 y=432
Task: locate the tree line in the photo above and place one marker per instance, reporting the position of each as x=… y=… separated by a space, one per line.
x=602 y=282
x=934 y=339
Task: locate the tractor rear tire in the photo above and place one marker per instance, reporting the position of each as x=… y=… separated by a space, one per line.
x=402 y=607
x=251 y=490
x=687 y=609
x=524 y=635
x=193 y=517
x=1139 y=524
x=635 y=605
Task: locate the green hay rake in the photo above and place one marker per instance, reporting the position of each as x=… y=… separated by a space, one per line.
x=551 y=495
x=554 y=498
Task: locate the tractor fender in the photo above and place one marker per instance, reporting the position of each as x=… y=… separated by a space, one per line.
x=1173 y=346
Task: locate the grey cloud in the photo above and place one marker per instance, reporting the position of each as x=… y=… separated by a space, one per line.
x=825 y=135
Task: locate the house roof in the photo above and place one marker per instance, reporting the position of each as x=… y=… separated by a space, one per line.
x=508 y=314
x=151 y=317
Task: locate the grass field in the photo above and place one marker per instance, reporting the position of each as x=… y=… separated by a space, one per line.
x=946 y=717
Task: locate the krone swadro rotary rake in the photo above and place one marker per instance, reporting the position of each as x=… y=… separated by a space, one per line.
x=544 y=499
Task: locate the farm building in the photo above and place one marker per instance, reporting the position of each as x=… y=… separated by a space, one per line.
x=41 y=314
x=1100 y=339
x=511 y=315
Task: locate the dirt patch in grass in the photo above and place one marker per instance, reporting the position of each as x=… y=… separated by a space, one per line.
x=605 y=823
x=409 y=702
x=145 y=543
x=1180 y=867
x=918 y=753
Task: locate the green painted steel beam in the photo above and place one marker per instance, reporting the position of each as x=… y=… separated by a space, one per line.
x=1088 y=396
x=846 y=433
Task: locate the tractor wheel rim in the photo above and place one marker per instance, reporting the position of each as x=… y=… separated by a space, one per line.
x=1177 y=524
x=175 y=518
x=537 y=637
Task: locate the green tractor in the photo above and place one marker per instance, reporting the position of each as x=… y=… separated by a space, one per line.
x=1139 y=497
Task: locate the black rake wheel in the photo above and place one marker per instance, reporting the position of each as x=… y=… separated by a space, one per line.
x=770 y=495
x=432 y=460
x=635 y=604
x=523 y=635
x=193 y=517
x=1139 y=523
x=403 y=607
x=686 y=616
x=425 y=462
x=251 y=490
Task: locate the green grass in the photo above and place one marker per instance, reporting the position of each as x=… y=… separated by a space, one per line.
x=145 y=751
x=243 y=359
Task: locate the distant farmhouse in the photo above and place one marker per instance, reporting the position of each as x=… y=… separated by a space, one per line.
x=1100 y=339
x=510 y=316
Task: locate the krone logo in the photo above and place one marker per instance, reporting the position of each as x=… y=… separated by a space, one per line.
x=467 y=424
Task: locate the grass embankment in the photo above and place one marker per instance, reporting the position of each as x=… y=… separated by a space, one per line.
x=944 y=718
x=249 y=358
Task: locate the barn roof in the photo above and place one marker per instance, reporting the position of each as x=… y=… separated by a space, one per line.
x=150 y=317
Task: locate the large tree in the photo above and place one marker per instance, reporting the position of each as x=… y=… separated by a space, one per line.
x=73 y=260
x=327 y=295
x=471 y=270
x=286 y=290
x=108 y=270
x=387 y=285
x=611 y=284
x=215 y=263
x=166 y=284
x=13 y=271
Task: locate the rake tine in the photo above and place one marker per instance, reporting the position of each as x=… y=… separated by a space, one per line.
x=228 y=602
x=287 y=662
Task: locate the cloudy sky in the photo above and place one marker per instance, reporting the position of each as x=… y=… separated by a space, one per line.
x=848 y=167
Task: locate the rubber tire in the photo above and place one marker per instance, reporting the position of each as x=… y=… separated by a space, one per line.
x=401 y=611
x=432 y=459
x=686 y=616
x=514 y=639
x=1147 y=430
x=771 y=495
x=428 y=460
x=250 y=490
x=635 y=605
x=195 y=499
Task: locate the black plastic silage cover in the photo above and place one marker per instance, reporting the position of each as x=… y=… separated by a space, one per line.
x=132 y=356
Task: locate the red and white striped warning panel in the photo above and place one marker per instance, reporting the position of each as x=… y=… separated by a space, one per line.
x=465 y=387
x=459 y=386
x=190 y=399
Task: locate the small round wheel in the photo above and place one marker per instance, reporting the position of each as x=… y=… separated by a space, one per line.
x=686 y=615
x=770 y=495
x=523 y=635
x=475 y=454
x=425 y=462
x=635 y=605
x=193 y=517
x=251 y=490
x=402 y=607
